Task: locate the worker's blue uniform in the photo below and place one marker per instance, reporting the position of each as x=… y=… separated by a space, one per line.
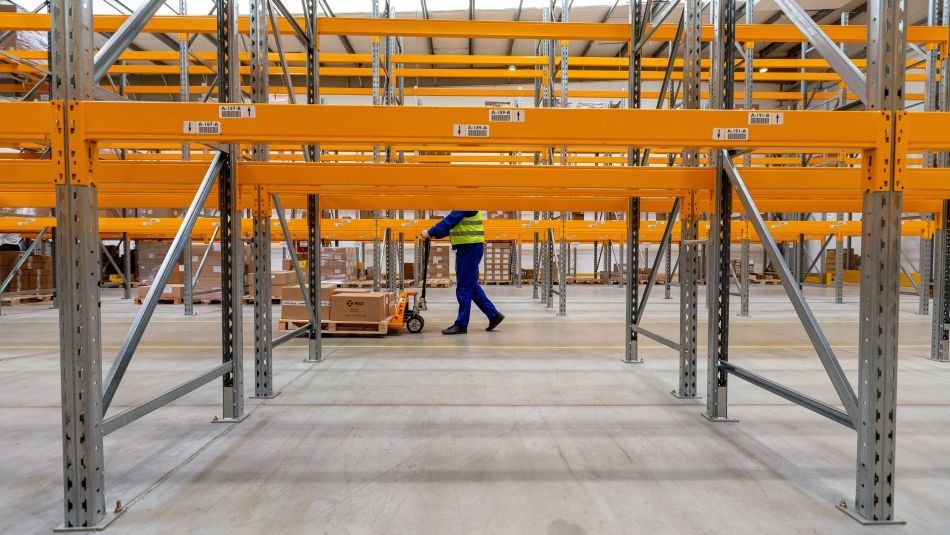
x=467 y=258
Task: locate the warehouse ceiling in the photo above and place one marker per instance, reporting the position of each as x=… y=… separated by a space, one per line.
x=608 y=11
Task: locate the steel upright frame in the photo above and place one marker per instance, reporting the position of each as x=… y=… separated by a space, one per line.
x=880 y=277
x=718 y=270
x=77 y=273
x=631 y=336
x=940 y=320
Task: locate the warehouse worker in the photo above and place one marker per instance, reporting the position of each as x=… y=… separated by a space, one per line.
x=467 y=235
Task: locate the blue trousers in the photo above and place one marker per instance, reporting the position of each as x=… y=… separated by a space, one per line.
x=467 y=258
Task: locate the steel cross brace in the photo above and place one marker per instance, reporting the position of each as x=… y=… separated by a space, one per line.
x=22 y=260
x=144 y=314
x=832 y=367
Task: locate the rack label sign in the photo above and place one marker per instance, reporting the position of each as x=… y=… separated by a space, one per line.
x=731 y=134
x=766 y=118
x=470 y=130
x=506 y=116
x=202 y=128
x=237 y=111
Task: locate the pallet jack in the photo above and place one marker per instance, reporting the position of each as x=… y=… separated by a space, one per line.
x=410 y=317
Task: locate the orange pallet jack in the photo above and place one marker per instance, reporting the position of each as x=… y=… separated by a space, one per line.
x=406 y=316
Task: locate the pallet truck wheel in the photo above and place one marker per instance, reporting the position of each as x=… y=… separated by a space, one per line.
x=415 y=323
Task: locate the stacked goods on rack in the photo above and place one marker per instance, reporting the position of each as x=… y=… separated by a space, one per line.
x=439 y=266
x=207 y=287
x=36 y=273
x=337 y=264
x=497 y=263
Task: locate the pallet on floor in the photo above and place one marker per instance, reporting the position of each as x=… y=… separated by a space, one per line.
x=437 y=283
x=14 y=300
x=497 y=283
x=366 y=328
x=584 y=280
x=168 y=300
x=764 y=278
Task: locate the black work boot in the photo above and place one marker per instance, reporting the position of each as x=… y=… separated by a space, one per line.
x=495 y=322
x=455 y=329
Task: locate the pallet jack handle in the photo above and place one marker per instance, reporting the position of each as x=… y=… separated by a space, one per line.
x=425 y=275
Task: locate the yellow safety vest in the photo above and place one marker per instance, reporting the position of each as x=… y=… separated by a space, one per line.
x=469 y=230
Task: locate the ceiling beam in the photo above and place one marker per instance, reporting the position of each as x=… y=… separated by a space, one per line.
x=471 y=16
x=603 y=20
x=511 y=43
x=425 y=16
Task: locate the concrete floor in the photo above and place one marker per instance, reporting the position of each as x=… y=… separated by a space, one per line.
x=536 y=428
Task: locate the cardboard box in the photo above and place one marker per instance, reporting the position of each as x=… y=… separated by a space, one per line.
x=171 y=291
x=293 y=312
x=293 y=295
x=360 y=307
x=283 y=278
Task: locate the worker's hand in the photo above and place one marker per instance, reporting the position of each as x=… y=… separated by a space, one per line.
x=424 y=234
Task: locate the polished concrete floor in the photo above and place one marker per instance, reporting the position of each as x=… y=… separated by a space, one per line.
x=536 y=428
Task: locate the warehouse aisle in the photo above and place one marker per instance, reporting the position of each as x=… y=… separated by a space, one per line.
x=536 y=428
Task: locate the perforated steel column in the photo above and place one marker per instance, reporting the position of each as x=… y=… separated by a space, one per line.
x=232 y=247
x=78 y=275
x=263 y=318
x=721 y=96
x=562 y=279
x=839 y=269
x=940 y=337
x=536 y=258
x=632 y=290
x=77 y=272
x=744 y=279
x=925 y=262
x=880 y=270
x=689 y=315
x=314 y=276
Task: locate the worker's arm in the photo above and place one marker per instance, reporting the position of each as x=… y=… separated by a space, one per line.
x=444 y=227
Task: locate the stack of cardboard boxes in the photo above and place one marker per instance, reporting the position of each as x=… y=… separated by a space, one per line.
x=35 y=274
x=151 y=254
x=337 y=264
x=439 y=266
x=497 y=265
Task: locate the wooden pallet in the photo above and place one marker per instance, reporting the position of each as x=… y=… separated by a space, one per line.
x=169 y=300
x=438 y=283
x=364 y=328
x=497 y=283
x=14 y=300
x=584 y=280
x=759 y=278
